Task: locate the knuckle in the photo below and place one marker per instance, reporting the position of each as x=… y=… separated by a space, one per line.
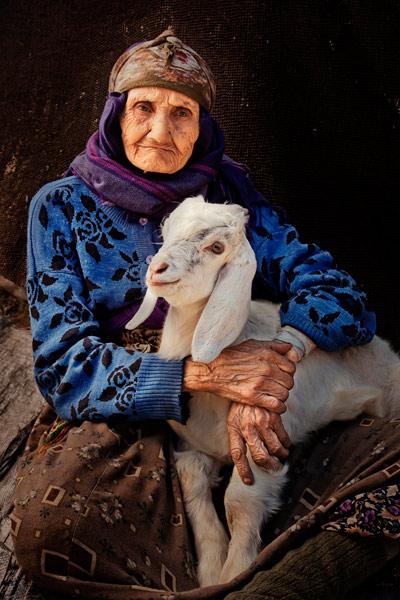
x=248 y=393
x=282 y=408
x=275 y=447
x=267 y=368
x=287 y=365
x=260 y=457
x=259 y=420
x=259 y=380
x=284 y=394
x=276 y=404
x=267 y=423
x=290 y=383
x=248 y=434
x=236 y=454
x=274 y=418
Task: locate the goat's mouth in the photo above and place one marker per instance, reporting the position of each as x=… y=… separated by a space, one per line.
x=158 y=282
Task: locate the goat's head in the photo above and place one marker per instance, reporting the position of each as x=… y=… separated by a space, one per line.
x=205 y=258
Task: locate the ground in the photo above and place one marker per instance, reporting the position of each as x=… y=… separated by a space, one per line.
x=13 y=310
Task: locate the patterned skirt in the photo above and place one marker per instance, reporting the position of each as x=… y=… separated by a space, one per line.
x=98 y=509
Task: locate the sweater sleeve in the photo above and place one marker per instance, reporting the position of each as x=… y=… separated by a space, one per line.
x=78 y=373
x=317 y=298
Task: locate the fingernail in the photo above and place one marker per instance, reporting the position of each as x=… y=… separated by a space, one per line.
x=247 y=481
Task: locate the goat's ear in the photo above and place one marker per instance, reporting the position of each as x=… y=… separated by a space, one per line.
x=145 y=310
x=227 y=309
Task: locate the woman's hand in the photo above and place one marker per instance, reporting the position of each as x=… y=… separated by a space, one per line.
x=254 y=373
x=264 y=434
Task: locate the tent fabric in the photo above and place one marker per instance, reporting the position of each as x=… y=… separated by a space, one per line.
x=308 y=95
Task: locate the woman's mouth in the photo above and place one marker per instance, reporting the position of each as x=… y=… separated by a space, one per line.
x=165 y=148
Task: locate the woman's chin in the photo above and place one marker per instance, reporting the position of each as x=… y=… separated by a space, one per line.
x=155 y=166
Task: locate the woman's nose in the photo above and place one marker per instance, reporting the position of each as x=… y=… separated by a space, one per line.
x=160 y=129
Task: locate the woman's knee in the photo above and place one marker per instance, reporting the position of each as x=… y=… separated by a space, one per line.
x=42 y=542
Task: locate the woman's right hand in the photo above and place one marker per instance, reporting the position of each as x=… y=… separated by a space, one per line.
x=254 y=372
x=262 y=433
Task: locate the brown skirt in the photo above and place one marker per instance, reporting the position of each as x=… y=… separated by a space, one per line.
x=99 y=512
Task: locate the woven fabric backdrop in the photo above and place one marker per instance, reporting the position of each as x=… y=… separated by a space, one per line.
x=308 y=96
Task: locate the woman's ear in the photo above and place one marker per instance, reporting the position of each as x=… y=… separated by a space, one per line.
x=227 y=309
x=144 y=312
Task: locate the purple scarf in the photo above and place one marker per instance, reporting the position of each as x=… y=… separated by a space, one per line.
x=105 y=169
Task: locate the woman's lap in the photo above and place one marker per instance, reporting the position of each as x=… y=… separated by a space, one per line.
x=102 y=506
x=102 y=503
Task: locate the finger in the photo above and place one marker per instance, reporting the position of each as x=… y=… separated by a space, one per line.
x=284 y=363
x=277 y=425
x=276 y=382
x=265 y=378
x=282 y=378
x=272 y=404
x=273 y=444
x=281 y=358
x=294 y=355
x=276 y=366
x=263 y=401
x=238 y=454
x=280 y=347
x=258 y=451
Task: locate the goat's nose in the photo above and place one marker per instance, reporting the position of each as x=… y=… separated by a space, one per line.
x=159 y=268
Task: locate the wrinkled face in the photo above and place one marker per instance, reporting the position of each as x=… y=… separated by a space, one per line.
x=184 y=271
x=159 y=129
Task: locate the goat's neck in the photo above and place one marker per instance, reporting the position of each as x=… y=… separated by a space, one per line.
x=179 y=326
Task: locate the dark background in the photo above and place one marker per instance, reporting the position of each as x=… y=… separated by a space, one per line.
x=308 y=95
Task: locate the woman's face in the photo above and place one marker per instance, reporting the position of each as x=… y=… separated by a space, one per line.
x=159 y=129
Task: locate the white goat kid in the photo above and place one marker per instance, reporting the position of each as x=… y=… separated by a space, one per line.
x=204 y=270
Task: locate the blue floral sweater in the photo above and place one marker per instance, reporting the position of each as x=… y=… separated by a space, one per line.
x=86 y=259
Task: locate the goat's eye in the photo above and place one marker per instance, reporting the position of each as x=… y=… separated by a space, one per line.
x=217 y=247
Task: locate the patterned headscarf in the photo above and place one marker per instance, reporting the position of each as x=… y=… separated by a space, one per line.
x=104 y=167
x=164 y=62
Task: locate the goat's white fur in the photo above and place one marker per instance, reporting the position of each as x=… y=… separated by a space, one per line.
x=210 y=308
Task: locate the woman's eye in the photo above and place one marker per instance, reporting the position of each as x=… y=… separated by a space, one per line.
x=183 y=112
x=143 y=107
x=217 y=247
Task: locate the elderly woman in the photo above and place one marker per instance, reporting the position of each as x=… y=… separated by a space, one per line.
x=98 y=507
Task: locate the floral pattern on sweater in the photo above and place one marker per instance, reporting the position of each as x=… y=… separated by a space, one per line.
x=87 y=260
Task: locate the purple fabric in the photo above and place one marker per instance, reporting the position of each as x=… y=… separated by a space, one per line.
x=105 y=169
x=156 y=320
x=110 y=142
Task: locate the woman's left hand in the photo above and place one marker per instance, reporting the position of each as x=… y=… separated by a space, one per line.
x=263 y=433
x=254 y=372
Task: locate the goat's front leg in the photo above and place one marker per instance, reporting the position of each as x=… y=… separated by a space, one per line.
x=197 y=474
x=247 y=508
